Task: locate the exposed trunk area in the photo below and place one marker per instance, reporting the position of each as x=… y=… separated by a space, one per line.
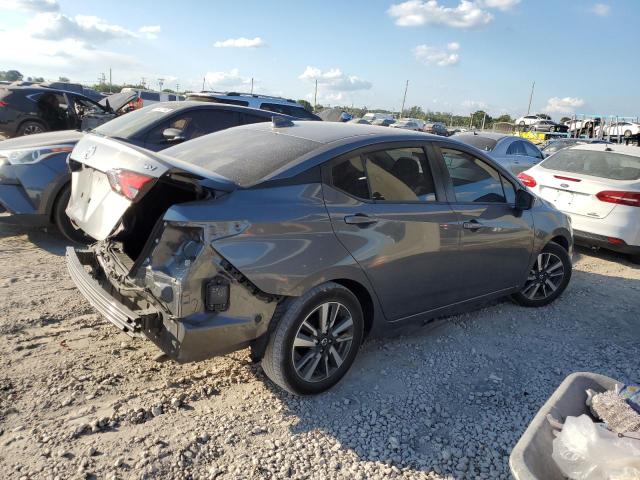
x=139 y=220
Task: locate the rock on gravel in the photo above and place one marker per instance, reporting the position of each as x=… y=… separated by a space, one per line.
x=448 y=400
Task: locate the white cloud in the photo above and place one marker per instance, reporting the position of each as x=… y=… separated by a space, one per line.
x=240 y=43
x=474 y=105
x=87 y=28
x=563 y=105
x=30 y=5
x=442 y=57
x=418 y=12
x=601 y=9
x=150 y=31
x=499 y=4
x=334 y=79
x=226 y=80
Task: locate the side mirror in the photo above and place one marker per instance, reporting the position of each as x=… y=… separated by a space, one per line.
x=173 y=135
x=524 y=200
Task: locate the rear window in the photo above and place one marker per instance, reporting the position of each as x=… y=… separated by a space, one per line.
x=482 y=143
x=292 y=110
x=127 y=125
x=243 y=155
x=610 y=165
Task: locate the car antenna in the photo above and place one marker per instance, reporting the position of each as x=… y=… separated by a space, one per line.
x=281 y=122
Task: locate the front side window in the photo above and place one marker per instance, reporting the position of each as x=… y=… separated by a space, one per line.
x=400 y=175
x=531 y=150
x=474 y=181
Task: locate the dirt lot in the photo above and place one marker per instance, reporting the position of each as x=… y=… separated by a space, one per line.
x=449 y=400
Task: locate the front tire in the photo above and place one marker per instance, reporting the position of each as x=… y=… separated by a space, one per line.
x=315 y=340
x=548 y=277
x=62 y=220
x=627 y=134
x=31 y=127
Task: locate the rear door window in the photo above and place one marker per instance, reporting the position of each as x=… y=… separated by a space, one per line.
x=474 y=181
x=349 y=176
x=152 y=96
x=400 y=175
x=255 y=118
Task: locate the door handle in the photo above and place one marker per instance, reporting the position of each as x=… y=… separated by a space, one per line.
x=360 y=219
x=472 y=225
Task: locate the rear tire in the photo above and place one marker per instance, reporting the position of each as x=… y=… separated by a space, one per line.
x=547 y=279
x=303 y=359
x=627 y=134
x=31 y=127
x=63 y=222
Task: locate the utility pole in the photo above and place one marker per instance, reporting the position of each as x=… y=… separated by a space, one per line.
x=143 y=82
x=251 y=85
x=484 y=117
x=177 y=87
x=160 y=83
x=315 y=96
x=203 y=78
x=531 y=97
x=110 y=83
x=406 y=86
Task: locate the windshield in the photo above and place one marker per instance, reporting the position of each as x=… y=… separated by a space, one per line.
x=610 y=165
x=129 y=124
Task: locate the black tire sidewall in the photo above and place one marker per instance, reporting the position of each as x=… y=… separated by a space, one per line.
x=24 y=126
x=292 y=321
x=63 y=222
x=561 y=253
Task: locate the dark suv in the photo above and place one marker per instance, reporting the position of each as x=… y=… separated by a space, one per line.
x=36 y=109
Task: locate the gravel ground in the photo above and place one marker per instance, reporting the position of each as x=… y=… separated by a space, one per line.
x=448 y=400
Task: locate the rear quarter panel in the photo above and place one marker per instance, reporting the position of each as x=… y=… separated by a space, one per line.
x=288 y=246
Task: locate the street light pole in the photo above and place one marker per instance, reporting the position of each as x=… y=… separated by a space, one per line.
x=406 y=86
x=531 y=97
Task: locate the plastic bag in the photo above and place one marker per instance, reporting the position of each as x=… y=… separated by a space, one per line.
x=584 y=450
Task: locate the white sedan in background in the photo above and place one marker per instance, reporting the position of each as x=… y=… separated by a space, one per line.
x=598 y=186
x=623 y=129
x=407 y=124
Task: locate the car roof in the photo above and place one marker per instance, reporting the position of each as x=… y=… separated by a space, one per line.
x=492 y=135
x=329 y=132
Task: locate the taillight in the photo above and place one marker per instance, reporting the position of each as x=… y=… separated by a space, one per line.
x=631 y=199
x=3 y=104
x=528 y=180
x=127 y=183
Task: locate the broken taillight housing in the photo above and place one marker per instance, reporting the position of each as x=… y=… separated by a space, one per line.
x=129 y=184
x=528 y=180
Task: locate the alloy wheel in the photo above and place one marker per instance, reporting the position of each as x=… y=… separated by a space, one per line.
x=32 y=129
x=545 y=277
x=323 y=341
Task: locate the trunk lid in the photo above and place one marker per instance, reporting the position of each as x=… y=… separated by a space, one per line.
x=95 y=206
x=576 y=193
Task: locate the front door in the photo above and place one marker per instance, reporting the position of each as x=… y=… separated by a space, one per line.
x=388 y=210
x=496 y=239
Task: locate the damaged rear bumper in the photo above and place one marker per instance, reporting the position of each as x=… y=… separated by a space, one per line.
x=113 y=310
x=196 y=337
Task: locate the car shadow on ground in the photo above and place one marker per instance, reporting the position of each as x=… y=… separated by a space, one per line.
x=458 y=393
x=48 y=238
x=580 y=252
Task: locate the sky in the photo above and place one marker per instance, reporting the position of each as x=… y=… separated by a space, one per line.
x=458 y=55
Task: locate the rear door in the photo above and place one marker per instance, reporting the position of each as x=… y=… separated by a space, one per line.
x=389 y=210
x=496 y=239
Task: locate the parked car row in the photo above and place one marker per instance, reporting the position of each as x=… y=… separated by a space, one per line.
x=35 y=183
x=414 y=124
x=536 y=123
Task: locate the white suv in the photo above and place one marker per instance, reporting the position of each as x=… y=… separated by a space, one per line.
x=281 y=105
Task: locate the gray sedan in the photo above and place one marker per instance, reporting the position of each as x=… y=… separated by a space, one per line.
x=515 y=153
x=300 y=239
